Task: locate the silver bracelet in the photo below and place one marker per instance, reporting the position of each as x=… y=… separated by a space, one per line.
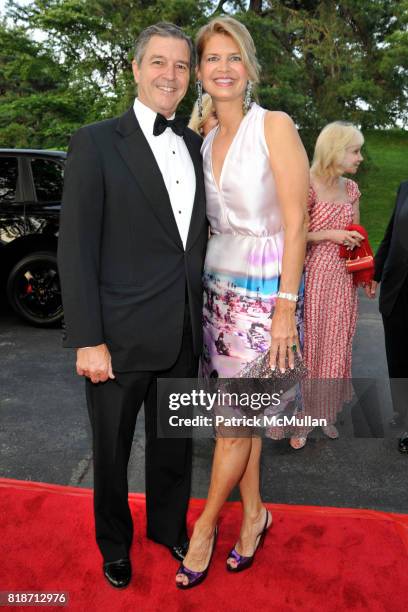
x=292 y=297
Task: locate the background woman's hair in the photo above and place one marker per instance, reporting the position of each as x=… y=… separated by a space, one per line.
x=331 y=145
x=239 y=33
x=196 y=123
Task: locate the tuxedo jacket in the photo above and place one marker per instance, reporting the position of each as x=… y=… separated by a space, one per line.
x=123 y=268
x=391 y=259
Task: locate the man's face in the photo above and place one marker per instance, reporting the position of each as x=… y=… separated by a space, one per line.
x=163 y=74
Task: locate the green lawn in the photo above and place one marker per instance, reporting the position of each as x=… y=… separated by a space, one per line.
x=387 y=158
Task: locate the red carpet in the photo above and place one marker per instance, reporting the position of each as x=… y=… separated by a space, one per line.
x=314 y=559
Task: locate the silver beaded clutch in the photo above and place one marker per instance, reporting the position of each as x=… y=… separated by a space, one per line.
x=259 y=368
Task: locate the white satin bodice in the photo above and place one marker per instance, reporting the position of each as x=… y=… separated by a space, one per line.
x=245 y=202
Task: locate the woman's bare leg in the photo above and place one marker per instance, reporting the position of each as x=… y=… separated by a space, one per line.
x=253 y=509
x=230 y=460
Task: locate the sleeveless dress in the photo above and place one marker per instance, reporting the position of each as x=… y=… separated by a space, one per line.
x=244 y=255
x=330 y=308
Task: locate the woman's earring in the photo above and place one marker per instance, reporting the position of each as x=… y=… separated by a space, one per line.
x=199 y=87
x=248 y=96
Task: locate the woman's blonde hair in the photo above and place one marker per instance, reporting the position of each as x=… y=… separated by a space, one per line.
x=196 y=122
x=239 y=33
x=331 y=145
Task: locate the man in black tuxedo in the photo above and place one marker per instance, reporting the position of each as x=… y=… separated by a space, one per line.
x=131 y=251
x=391 y=269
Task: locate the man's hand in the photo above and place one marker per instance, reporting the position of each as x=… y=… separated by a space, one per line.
x=95 y=363
x=371 y=289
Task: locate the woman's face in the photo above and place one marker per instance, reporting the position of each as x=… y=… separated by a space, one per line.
x=221 y=69
x=352 y=157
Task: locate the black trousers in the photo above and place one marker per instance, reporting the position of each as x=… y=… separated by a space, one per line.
x=113 y=407
x=396 y=335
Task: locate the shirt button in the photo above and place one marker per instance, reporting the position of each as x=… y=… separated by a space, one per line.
x=173 y=152
x=177 y=182
x=180 y=212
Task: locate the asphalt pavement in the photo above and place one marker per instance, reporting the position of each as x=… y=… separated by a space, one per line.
x=45 y=434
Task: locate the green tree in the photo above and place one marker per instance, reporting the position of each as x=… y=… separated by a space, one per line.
x=39 y=104
x=95 y=38
x=345 y=59
x=321 y=60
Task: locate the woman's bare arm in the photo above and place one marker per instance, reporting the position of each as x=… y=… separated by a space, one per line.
x=356 y=211
x=290 y=167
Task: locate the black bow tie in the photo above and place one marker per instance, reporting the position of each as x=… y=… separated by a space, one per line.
x=178 y=125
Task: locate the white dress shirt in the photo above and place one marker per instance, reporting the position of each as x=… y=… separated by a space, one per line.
x=175 y=165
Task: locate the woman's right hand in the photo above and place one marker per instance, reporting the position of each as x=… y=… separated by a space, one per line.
x=349 y=238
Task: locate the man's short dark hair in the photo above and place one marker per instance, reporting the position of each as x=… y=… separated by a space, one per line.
x=166 y=30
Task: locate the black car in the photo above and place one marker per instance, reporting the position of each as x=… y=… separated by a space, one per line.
x=30 y=200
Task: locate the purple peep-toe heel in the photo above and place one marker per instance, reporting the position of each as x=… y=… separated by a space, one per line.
x=195 y=578
x=244 y=563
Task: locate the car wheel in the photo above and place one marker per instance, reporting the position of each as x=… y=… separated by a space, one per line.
x=33 y=289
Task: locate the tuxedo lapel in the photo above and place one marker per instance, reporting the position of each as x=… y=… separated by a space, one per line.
x=402 y=197
x=401 y=217
x=198 y=213
x=139 y=157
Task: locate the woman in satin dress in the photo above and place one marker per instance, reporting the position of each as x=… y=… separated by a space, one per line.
x=256 y=175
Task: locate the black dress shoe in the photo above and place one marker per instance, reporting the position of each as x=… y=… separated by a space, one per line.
x=179 y=552
x=403 y=443
x=118 y=573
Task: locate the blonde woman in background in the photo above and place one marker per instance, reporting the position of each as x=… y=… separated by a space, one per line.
x=330 y=311
x=208 y=120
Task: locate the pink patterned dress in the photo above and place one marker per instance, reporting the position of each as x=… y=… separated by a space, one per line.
x=330 y=308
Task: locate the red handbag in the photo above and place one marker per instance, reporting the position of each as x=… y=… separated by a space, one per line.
x=364 y=262
x=359 y=261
